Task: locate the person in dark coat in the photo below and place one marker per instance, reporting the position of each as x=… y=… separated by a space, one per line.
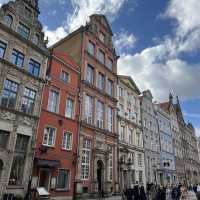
x=129 y=194
x=175 y=193
x=142 y=193
x=161 y=195
x=136 y=192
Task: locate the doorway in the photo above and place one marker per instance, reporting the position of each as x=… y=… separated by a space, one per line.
x=45 y=176
x=100 y=175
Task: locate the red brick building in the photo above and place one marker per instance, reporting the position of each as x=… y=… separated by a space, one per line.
x=55 y=156
x=91 y=47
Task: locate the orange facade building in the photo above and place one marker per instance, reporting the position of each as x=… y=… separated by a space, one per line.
x=56 y=147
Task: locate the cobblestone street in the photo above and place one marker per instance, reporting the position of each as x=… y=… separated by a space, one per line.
x=191 y=196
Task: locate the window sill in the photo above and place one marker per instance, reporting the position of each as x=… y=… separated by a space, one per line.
x=67 y=150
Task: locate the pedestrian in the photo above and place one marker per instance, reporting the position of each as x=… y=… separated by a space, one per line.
x=198 y=191
x=153 y=192
x=129 y=194
x=183 y=192
x=168 y=192
x=161 y=194
x=175 y=193
x=142 y=193
x=136 y=191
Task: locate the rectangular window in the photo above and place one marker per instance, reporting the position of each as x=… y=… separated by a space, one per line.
x=85 y=165
x=18 y=164
x=63 y=179
x=17 y=58
x=23 y=30
x=69 y=112
x=34 y=68
x=110 y=119
x=122 y=132
x=110 y=64
x=130 y=136
x=101 y=37
x=101 y=56
x=49 y=136
x=140 y=160
x=67 y=141
x=28 y=100
x=91 y=48
x=121 y=92
x=88 y=109
x=140 y=177
x=4 y=136
x=9 y=94
x=64 y=76
x=2 y=49
x=132 y=157
x=53 y=101
x=100 y=113
x=28 y=13
x=101 y=81
x=90 y=74
x=129 y=114
x=110 y=87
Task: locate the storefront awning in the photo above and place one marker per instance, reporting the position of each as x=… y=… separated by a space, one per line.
x=48 y=163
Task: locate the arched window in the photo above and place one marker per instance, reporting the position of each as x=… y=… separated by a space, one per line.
x=8 y=20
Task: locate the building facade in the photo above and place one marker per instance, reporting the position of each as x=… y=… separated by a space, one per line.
x=167 y=163
x=56 y=150
x=151 y=138
x=23 y=63
x=131 y=163
x=91 y=47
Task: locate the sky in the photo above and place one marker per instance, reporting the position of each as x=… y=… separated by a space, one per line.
x=158 y=42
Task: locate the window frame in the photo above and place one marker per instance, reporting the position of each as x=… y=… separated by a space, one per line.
x=3 y=48
x=23 y=30
x=68 y=183
x=73 y=108
x=91 y=44
x=88 y=111
x=10 y=17
x=100 y=114
x=71 y=141
x=61 y=76
x=110 y=87
x=101 y=81
x=54 y=139
x=18 y=55
x=49 y=105
x=109 y=60
x=35 y=65
x=101 y=53
x=111 y=117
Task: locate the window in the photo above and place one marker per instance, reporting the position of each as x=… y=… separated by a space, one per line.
x=36 y=39
x=110 y=119
x=67 y=141
x=129 y=114
x=132 y=157
x=138 y=139
x=2 y=49
x=8 y=19
x=121 y=92
x=100 y=112
x=130 y=136
x=110 y=87
x=49 y=136
x=140 y=177
x=85 y=165
x=90 y=74
x=23 y=30
x=101 y=56
x=53 y=101
x=28 y=100
x=28 y=12
x=69 y=112
x=18 y=164
x=91 y=48
x=63 y=179
x=88 y=109
x=110 y=64
x=101 y=81
x=140 y=160
x=9 y=94
x=122 y=132
x=64 y=76
x=102 y=37
x=110 y=161
x=17 y=58
x=3 y=138
x=34 y=68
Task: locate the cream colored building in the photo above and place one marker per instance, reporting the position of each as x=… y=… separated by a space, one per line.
x=23 y=64
x=131 y=164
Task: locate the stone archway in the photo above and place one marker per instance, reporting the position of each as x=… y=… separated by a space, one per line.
x=100 y=174
x=1 y=168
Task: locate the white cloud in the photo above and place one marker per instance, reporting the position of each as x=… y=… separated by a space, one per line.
x=3 y=2
x=84 y=8
x=197 y=130
x=192 y=115
x=54 y=35
x=124 y=41
x=159 y=67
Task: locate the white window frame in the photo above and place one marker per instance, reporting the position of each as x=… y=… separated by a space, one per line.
x=49 y=106
x=64 y=146
x=61 y=77
x=100 y=114
x=72 y=110
x=54 y=138
x=110 y=118
x=110 y=166
x=88 y=109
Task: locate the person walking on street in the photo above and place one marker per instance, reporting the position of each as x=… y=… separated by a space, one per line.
x=153 y=192
x=142 y=193
x=198 y=191
x=161 y=195
x=136 y=191
x=175 y=193
x=168 y=192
